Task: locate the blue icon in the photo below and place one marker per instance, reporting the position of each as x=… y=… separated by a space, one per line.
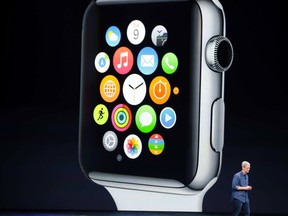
x=102 y=62
x=167 y=117
x=113 y=36
x=147 y=60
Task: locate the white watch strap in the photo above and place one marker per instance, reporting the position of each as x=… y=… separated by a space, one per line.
x=139 y=200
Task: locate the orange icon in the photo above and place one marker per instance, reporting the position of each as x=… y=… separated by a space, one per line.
x=109 y=88
x=160 y=90
x=176 y=90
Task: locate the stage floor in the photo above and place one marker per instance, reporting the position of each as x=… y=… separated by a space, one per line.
x=52 y=213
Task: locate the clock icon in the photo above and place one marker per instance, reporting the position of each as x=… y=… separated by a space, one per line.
x=160 y=90
x=134 y=89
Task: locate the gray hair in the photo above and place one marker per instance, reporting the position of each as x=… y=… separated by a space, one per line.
x=245 y=163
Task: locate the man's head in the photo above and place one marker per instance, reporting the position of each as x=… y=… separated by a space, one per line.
x=245 y=167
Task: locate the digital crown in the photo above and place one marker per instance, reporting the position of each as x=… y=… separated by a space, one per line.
x=219 y=54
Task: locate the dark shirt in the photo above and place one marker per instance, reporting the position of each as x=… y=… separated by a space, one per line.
x=242 y=180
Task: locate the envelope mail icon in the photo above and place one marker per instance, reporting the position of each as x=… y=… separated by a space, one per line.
x=147 y=60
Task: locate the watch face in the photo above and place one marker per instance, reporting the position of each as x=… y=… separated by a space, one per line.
x=140 y=89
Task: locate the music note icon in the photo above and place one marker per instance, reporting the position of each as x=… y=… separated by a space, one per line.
x=123 y=55
x=123 y=60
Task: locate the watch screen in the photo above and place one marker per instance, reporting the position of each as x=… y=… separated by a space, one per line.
x=140 y=89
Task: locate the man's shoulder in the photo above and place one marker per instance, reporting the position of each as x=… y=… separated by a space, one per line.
x=238 y=174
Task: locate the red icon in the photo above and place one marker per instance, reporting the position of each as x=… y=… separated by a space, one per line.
x=123 y=60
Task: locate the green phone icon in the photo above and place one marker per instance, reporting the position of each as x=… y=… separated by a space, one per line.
x=169 y=63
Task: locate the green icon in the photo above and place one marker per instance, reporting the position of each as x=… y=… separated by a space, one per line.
x=145 y=118
x=169 y=63
x=100 y=114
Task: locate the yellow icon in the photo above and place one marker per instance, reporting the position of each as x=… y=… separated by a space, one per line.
x=100 y=114
x=160 y=90
x=176 y=90
x=109 y=88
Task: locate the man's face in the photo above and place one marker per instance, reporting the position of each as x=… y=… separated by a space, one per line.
x=246 y=169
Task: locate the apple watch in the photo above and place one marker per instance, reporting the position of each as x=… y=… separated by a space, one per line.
x=151 y=128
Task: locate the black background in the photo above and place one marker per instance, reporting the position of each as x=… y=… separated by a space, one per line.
x=39 y=107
